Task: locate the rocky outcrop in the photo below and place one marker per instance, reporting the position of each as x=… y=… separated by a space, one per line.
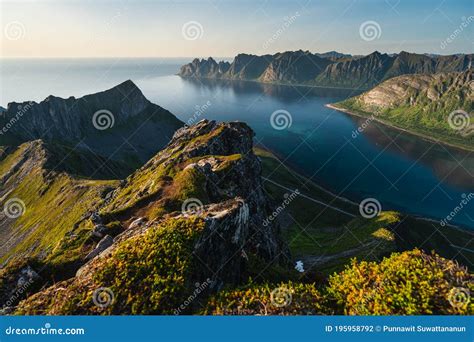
x=208 y=179
x=328 y=69
x=220 y=156
x=205 y=68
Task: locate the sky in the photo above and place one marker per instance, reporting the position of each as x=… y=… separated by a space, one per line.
x=138 y=28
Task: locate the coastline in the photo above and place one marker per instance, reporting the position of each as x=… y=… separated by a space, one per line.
x=405 y=130
x=273 y=83
x=462 y=229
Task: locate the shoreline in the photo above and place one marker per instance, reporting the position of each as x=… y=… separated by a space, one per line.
x=272 y=83
x=405 y=130
x=274 y=154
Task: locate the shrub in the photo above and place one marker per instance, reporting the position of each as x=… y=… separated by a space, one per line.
x=408 y=283
x=151 y=274
x=281 y=299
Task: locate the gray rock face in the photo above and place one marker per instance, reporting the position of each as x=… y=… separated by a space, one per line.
x=329 y=69
x=103 y=244
x=241 y=181
x=98 y=121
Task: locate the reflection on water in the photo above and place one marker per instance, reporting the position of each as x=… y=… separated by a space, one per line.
x=451 y=165
x=284 y=93
x=403 y=172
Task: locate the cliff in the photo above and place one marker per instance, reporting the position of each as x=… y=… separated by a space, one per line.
x=329 y=69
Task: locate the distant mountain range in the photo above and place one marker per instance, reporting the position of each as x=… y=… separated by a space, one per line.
x=330 y=69
x=97 y=123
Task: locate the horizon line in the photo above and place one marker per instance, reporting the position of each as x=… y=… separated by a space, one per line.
x=208 y=56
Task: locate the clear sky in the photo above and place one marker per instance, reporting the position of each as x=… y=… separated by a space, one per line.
x=127 y=28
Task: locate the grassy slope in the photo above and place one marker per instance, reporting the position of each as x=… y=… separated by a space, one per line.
x=316 y=230
x=53 y=225
x=420 y=115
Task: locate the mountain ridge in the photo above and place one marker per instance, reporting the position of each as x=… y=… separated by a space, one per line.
x=95 y=122
x=313 y=69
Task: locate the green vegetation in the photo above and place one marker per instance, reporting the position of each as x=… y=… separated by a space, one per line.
x=411 y=282
x=53 y=221
x=286 y=298
x=148 y=274
x=315 y=230
x=417 y=110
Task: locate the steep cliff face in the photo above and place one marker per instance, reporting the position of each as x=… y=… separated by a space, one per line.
x=361 y=72
x=196 y=211
x=205 y=68
x=294 y=67
x=96 y=122
x=329 y=69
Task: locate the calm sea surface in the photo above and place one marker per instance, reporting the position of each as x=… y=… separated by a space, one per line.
x=402 y=171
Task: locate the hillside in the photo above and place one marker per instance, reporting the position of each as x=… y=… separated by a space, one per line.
x=188 y=224
x=422 y=104
x=94 y=123
x=326 y=70
x=200 y=228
